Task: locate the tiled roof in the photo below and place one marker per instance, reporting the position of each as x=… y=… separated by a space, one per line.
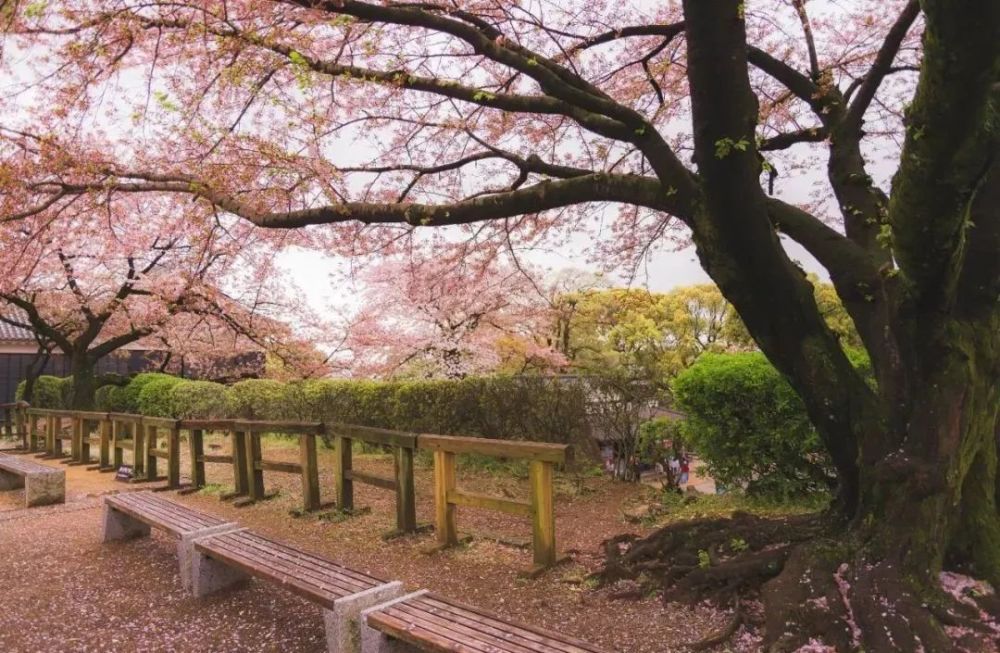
x=11 y=333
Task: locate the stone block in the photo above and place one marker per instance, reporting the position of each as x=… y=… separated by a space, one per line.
x=119 y=526
x=10 y=481
x=45 y=488
x=186 y=552
x=343 y=630
x=209 y=575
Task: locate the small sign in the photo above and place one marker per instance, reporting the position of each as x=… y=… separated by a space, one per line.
x=124 y=473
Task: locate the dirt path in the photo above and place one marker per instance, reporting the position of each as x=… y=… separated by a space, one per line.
x=65 y=591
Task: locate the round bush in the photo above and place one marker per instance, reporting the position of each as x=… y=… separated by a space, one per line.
x=103 y=398
x=48 y=392
x=259 y=399
x=155 y=397
x=199 y=400
x=750 y=427
x=130 y=393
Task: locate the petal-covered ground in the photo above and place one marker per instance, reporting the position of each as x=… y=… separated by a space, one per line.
x=63 y=590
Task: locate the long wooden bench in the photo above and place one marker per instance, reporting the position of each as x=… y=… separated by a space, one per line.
x=225 y=559
x=424 y=621
x=43 y=485
x=133 y=514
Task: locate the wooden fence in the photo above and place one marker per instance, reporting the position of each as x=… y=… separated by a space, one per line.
x=14 y=416
x=152 y=439
x=403 y=445
x=540 y=507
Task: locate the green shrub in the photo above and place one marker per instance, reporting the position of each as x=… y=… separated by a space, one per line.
x=129 y=400
x=748 y=424
x=258 y=399
x=48 y=392
x=199 y=400
x=652 y=435
x=155 y=398
x=66 y=392
x=104 y=398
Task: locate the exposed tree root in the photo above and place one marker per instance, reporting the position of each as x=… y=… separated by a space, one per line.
x=816 y=590
x=723 y=635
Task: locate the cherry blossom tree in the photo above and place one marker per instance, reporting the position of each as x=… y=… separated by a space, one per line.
x=449 y=319
x=627 y=127
x=146 y=267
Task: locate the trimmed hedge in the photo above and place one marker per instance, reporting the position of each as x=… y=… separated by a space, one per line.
x=155 y=398
x=50 y=391
x=262 y=399
x=129 y=399
x=506 y=407
x=199 y=400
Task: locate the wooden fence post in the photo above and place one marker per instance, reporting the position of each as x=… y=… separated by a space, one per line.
x=117 y=453
x=8 y=424
x=32 y=433
x=55 y=426
x=76 y=440
x=197 y=448
x=252 y=458
x=310 y=471
x=240 y=479
x=342 y=472
x=84 y=440
x=543 y=517
x=104 y=455
x=174 y=457
x=150 y=449
x=406 y=505
x=22 y=421
x=138 y=449
x=444 y=482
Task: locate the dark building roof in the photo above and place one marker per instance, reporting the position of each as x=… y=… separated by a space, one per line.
x=11 y=333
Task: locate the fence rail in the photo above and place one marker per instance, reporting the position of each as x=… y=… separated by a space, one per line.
x=152 y=439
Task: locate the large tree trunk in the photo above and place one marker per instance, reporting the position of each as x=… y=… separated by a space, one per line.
x=84 y=381
x=35 y=369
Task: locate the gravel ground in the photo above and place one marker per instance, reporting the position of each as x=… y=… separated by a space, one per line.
x=65 y=591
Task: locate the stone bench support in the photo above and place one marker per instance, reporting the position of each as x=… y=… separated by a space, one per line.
x=343 y=627
x=375 y=641
x=44 y=487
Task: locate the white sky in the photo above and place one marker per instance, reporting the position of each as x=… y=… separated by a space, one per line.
x=320 y=276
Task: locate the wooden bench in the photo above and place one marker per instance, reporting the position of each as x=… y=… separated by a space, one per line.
x=133 y=514
x=43 y=485
x=424 y=621
x=225 y=559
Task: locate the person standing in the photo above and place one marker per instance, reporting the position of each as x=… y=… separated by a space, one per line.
x=685 y=464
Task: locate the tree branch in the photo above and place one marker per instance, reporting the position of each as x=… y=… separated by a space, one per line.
x=882 y=65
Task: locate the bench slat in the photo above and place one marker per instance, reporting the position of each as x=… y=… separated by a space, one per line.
x=270 y=547
x=323 y=595
x=459 y=632
x=318 y=579
x=23 y=467
x=540 y=636
x=174 y=511
x=324 y=580
x=437 y=624
x=422 y=638
x=167 y=522
x=162 y=513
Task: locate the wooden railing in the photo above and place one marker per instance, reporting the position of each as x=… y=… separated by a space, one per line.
x=14 y=420
x=152 y=439
x=403 y=445
x=540 y=506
